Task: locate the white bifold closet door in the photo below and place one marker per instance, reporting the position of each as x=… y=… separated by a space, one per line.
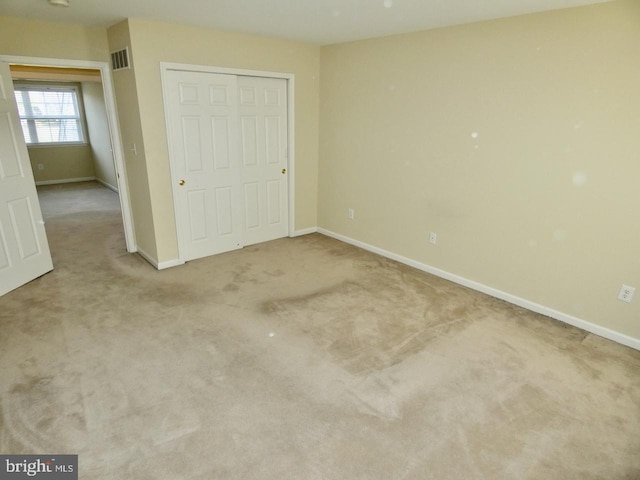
x=228 y=140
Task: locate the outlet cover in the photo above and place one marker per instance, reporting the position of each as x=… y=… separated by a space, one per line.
x=433 y=238
x=626 y=293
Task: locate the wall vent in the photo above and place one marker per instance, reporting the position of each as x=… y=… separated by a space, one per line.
x=120 y=59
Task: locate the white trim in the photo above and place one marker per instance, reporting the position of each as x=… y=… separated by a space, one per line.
x=170 y=143
x=304 y=231
x=147 y=257
x=170 y=263
x=291 y=151
x=188 y=67
x=507 y=297
x=65 y=180
x=114 y=128
x=107 y=185
x=31 y=118
x=290 y=78
x=159 y=265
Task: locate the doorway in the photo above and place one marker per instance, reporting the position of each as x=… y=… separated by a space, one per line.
x=112 y=125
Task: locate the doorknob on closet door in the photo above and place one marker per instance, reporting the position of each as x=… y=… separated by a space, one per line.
x=284 y=170
x=181 y=182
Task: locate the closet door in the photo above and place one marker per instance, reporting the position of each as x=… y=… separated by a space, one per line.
x=228 y=148
x=203 y=130
x=263 y=152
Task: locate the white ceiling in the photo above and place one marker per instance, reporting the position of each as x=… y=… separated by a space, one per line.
x=322 y=22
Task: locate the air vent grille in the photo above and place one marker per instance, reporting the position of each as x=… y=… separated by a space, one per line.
x=120 y=59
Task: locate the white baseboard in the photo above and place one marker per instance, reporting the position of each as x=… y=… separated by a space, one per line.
x=65 y=180
x=156 y=264
x=305 y=231
x=507 y=297
x=108 y=185
x=147 y=257
x=171 y=263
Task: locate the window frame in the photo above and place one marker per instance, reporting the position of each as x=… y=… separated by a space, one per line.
x=76 y=89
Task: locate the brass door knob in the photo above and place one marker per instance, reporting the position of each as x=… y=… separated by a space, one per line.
x=284 y=170
x=181 y=182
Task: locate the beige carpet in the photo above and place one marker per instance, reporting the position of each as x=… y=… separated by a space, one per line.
x=296 y=359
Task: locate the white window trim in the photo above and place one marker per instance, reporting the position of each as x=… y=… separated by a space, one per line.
x=26 y=86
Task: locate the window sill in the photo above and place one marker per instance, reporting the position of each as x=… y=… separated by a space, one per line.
x=57 y=145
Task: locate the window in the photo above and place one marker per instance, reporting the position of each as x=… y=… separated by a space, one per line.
x=49 y=114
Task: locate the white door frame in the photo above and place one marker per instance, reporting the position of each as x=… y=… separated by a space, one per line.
x=114 y=129
x=166 y=66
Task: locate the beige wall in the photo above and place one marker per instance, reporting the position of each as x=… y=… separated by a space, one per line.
x=32 y=38
x=62 y=162
x=541 y=204
x=124 y=84
x=35 y=38
x=152 y=43
x=98 y=129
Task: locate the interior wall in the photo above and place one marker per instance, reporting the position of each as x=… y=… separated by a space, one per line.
x=61 y=163
x=516 y=141
x=152 y=43
x=34 y=38
x=124 y=84
x=98 y=129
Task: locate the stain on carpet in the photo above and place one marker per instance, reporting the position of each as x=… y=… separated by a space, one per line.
x=365 y=328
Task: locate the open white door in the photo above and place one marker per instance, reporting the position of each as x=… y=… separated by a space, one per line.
x=24 y=251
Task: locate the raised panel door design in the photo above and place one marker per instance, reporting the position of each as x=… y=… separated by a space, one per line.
x=23 y=224
x=197 y=215
x=204 y=163
x=252 y=205
x=272 y=138
x=228 y=141
x=249 y=141
x=218 y=95
x=272 y=97
x=192 y=144
x=248 y=96
x=5 y=260
x=274 y=210
x=266 y=175
x=224 y=206
x=24 y=251
x=9 y=158
x=188 y=94
x=221 y=137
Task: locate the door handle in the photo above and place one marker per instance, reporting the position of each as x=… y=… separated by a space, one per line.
x=284 y=170
x=181 y=182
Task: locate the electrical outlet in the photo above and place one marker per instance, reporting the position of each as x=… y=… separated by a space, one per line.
x=626 y=293
x=41 y=166
x=433 y=238
x=351 y=214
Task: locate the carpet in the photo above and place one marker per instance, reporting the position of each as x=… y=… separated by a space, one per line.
x=300 y=358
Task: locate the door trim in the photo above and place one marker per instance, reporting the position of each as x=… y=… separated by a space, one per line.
x=290 y=79
x=114 y=129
